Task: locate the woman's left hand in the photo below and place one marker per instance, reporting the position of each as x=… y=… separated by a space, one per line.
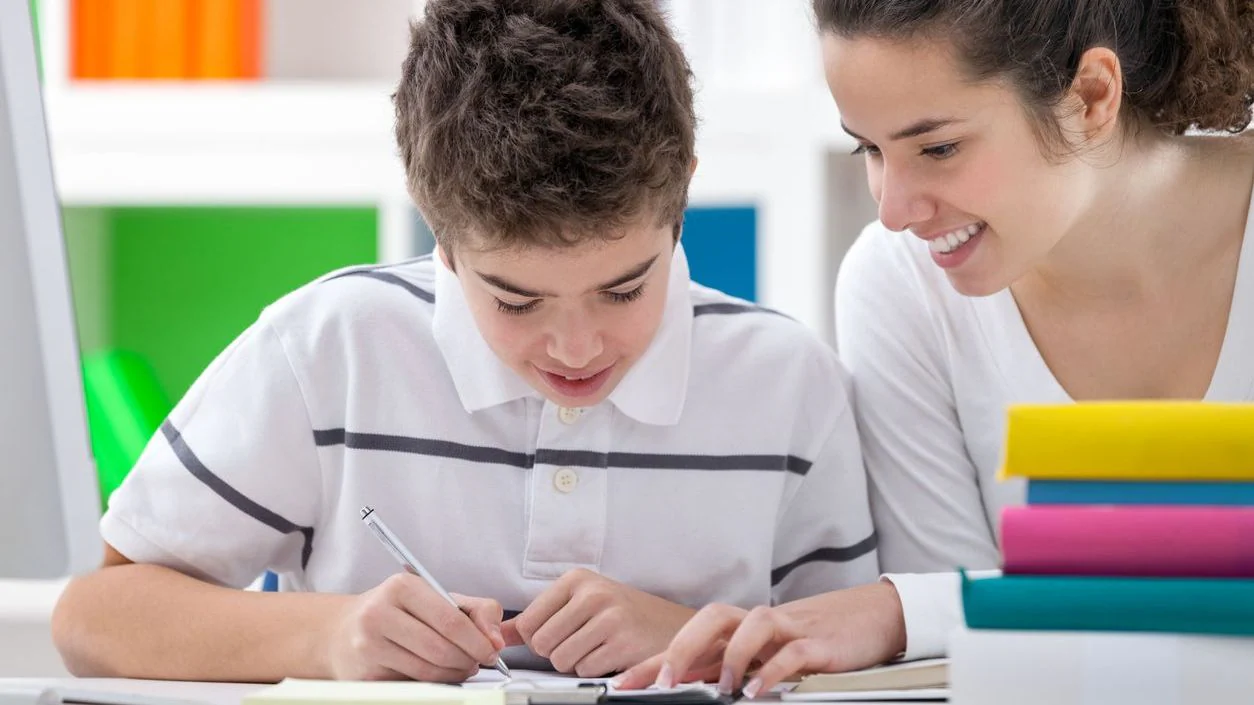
x=837 y=631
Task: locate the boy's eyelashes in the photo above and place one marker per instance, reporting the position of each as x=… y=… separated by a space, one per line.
x=618 y=297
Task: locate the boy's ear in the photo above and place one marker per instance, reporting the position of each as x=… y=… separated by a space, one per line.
x=693 y=168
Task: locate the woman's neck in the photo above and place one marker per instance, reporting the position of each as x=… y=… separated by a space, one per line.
x=1165 y=209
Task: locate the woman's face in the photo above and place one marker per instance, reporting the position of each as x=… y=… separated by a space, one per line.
x=954 y=162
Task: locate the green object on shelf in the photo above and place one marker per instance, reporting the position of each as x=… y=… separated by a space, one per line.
x=125 y=406
x=172 y=287
x=176 y=285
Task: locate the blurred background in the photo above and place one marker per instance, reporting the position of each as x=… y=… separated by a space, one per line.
x=212 y=155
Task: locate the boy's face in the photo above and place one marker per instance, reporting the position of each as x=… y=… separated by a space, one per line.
x=570 y=321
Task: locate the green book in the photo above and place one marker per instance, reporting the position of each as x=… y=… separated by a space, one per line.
x=1180 y=605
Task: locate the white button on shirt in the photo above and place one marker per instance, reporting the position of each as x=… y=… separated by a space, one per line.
x=565 y=480
x=730 y=442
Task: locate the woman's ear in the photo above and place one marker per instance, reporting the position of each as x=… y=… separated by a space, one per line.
x=1097 y=93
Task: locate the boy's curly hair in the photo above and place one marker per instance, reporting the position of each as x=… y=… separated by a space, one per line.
x=544 y=122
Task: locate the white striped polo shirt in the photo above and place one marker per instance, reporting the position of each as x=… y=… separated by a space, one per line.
x=724 y=467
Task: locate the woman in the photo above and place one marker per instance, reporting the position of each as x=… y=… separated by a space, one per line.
x=1046 y=233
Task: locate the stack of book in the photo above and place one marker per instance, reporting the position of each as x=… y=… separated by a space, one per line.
x=165 y=39
x=1129 y=577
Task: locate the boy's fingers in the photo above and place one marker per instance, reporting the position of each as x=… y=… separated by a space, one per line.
x=542 y=609
x=574 y=650
x=509 y=630
x=486 y=614
x=448 y=621
x=558 y=629
x=405 y=664
x=419 y=639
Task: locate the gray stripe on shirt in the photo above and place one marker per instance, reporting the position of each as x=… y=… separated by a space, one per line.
x=829 y=555
x=547 y=456
x=232 y=495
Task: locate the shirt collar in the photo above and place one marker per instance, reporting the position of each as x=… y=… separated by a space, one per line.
x=652 y=391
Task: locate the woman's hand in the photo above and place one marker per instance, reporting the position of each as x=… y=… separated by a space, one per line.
x=836 y=631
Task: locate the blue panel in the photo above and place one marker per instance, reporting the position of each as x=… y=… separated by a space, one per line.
x=721 y=244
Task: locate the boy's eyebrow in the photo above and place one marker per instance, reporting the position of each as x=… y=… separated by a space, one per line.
x=504 y=285
x=918 y=129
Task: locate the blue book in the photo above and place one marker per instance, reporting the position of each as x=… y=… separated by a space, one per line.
x=1098 y=492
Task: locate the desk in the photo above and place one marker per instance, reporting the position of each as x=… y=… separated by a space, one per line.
x=140 y=691
x=26 y=648
x=210 y=693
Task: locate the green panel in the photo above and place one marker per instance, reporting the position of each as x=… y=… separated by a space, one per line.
x=185 y=281
x=34 y=19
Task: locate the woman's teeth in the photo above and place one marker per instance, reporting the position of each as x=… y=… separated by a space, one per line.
x=951 y=241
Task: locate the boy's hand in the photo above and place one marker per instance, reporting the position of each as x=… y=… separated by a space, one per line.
x=835 y=631
x=590 y=625
x=404 y=629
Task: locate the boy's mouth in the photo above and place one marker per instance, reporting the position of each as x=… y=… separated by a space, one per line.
x=575 y=387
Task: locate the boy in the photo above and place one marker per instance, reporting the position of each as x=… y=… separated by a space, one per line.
x=548 y=412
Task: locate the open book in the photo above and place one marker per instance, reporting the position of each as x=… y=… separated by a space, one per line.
x=913 y=680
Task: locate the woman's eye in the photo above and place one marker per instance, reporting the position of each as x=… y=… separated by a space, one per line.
x=516 y=309
x=867 y=149
x=625 y=296
x=942 y=151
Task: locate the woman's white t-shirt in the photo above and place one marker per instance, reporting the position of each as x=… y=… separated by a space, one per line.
x=934 y=372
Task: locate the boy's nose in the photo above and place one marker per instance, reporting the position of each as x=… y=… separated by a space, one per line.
x=574 y=348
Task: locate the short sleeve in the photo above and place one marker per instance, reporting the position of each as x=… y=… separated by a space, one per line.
x=230 y=485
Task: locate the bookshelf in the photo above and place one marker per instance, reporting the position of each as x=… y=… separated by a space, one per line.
x=317 y=130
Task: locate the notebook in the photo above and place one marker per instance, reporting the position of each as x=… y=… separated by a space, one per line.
x=488 y=688
x=927 y=679
x=524 y=681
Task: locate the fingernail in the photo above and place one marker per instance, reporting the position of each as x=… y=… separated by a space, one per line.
x=617 y=681
x=725 y=681
x=665 y=677
x=497 y=637
x=751 y=690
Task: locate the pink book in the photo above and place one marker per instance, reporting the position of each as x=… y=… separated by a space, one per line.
x=1148 y=541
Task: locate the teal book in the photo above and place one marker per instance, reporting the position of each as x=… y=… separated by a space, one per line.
x=1180 y=605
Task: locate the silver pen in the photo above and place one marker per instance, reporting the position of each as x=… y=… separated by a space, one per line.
x=407 y=561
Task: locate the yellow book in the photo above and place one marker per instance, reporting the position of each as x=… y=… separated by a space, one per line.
x=298 y=691
x=1166 y=441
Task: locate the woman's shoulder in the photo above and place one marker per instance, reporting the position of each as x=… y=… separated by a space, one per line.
x=883 y=265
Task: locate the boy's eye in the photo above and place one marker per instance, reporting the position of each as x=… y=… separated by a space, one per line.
x=516 y=309
x=941 y=151
x=867 y=149
x=622 y=297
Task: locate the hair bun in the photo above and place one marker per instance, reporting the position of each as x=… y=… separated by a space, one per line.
x=1212 y=84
